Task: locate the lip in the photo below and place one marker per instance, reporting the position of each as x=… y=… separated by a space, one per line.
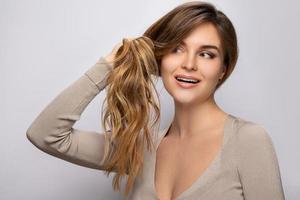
x=186 y=85
x=186 y=76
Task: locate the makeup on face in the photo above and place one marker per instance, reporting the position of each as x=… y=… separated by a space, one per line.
x=186 y=85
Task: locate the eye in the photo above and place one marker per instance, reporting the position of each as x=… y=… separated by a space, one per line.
x=207 y=55
x=176 y=49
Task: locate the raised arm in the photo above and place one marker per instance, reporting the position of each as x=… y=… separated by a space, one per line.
x=258 y=165
x=52 y=131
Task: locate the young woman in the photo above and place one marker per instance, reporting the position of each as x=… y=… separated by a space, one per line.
x=205 y=153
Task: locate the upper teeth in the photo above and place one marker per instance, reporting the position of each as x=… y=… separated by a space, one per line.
x=185 y=79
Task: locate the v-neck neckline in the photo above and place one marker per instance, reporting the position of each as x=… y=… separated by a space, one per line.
x=210 y=167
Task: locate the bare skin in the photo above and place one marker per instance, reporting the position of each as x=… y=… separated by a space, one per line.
x=179 y=162
x=196 y=133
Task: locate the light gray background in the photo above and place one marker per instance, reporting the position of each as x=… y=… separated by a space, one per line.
x=47 y=45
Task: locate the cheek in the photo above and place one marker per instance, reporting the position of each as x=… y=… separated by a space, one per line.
x=168 y=65
x=210 y=71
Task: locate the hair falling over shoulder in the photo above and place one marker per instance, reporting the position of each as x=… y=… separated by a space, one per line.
x=130 y=99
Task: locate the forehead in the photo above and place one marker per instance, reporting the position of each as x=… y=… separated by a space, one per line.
x=203 y=34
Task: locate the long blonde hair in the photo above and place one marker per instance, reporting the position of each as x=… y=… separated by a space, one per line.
x=130 y=100
x=131 y=94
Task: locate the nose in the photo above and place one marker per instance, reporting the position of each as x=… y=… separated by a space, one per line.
x=189 y=62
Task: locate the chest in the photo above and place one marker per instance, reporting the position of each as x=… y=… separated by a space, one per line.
x=180 y=163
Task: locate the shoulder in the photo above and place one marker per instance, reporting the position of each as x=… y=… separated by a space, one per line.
x=257 y=163
x=252 y=139
x=247 y=131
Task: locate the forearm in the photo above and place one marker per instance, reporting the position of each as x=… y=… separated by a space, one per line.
x=52 y=130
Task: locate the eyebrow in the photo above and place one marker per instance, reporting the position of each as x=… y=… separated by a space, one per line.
x=206 y=46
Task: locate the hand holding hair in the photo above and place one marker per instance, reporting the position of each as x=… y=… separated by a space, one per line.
x=140 y=49
x=110 y=57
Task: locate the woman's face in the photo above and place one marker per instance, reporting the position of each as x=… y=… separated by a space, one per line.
x=199 y=55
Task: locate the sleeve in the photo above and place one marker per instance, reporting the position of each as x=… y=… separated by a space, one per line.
x=52 y=130
x=258 y=165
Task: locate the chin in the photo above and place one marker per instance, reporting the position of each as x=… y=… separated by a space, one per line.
x=184 y=97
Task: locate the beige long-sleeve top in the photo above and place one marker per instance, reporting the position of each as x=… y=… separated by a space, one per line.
x=246 y=167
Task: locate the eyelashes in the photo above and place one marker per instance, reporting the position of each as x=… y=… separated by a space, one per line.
x=210 y=55
x=204 y=54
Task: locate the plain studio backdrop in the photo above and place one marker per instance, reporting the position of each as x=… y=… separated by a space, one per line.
x=47 y=45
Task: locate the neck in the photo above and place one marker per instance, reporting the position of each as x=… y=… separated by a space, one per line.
x=195 y=120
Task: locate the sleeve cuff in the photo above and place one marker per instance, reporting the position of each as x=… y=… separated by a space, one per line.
x=99 y=72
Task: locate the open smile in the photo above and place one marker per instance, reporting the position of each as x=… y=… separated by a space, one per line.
x=186 y=82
